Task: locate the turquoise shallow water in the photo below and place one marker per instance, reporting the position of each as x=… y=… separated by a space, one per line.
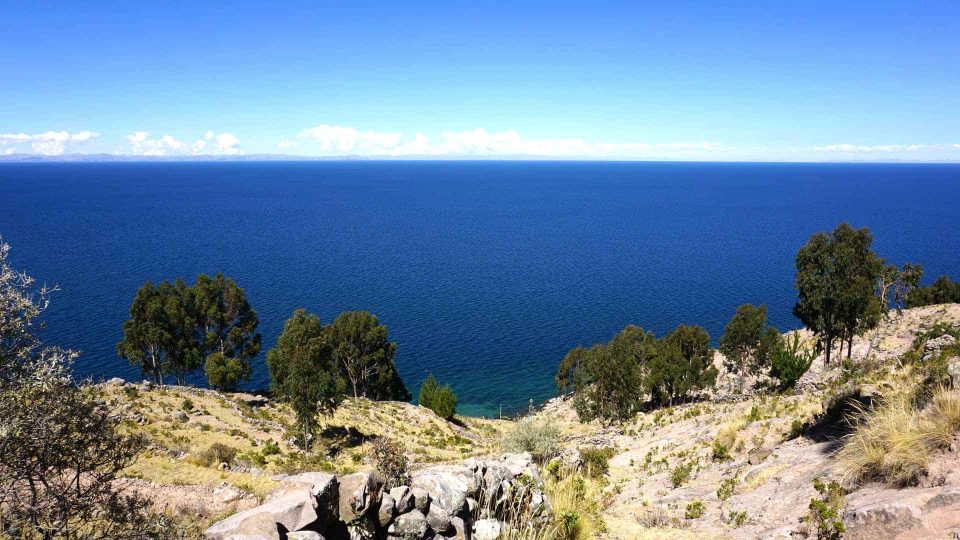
x=485 y=272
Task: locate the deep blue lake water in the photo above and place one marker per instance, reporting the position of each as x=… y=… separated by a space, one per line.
x=485 y=272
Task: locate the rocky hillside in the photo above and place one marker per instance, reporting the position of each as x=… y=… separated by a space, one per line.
x=729 y=466
x=745 y=468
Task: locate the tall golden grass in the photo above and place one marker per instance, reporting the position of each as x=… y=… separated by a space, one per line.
x=894 y=442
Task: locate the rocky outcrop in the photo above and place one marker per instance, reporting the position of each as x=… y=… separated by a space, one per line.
x=463 y=501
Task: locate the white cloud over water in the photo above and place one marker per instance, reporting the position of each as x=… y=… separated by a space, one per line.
x=142 y=143
x=49 y=143
x=333 y=140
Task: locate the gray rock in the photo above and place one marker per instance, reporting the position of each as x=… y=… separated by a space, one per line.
x=386 y=510
x=249 y=525
x=933 y=347
x=359 y=492
x=402 y=499
x=517 y=463
x=304 y=535
x=409 y=526
x=953 y=369
x=448 y=492
x=758 y=456
x=461 y=531
x=318 y=483
x=421 y=499
x=179 y=416
x=116 y=381
x=438 y=518
x=486 y=529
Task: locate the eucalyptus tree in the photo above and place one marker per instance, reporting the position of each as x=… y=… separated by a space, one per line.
x=227 y=327
x=836 y=280
x=362 y=348
x=747 y=340
x=304 y=373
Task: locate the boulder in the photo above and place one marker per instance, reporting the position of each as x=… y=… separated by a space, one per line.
x=386 y=510
x=953 y=369
x=486 y=529
x=447 y=487
x=359 y=492
x=293 y=510
x=438 y=518
x=758 y=456
x=305 y=535
x=461 y=531
x=402 y=499
x=409 y=526
x=250 y=525
x=516 y=463
x=421 y=499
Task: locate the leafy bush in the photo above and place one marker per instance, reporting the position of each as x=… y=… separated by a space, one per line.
x=216 y=454
x=225 y=373
x=824 y=514
x=694 y=510
x=738 y=519
x=390 y=461
x=596 y=460
x=534 y=434
x=681 y=474
x=721 y=452
x=727 y=487
x=187 y=404
x=439 y=399
x=789 y=361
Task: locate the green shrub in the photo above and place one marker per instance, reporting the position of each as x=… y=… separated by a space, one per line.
x=737 y=519
x=270 y=449
x=534 y=434
x=727 y=487
x=224 y=373
x=216 y=454
x=788 y=361
x=681 y=474
x=439 y=399
x=694 y=510
x=596 y=461
x=187 y=404
x=824 y=513
x=720 y=451
x=390 y=461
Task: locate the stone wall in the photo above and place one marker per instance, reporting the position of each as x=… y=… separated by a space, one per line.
x=472 y=500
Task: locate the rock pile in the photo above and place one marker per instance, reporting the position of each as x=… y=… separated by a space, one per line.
x=473 y=500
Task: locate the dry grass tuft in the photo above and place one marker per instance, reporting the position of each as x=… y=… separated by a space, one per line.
x=894 y=442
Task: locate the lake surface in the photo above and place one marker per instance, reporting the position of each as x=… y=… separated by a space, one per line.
x=485 y=272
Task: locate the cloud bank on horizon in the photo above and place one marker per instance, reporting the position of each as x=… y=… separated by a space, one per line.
x=332 y=141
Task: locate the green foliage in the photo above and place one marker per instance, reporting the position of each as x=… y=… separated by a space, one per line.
x=738 y=518
x=534 y=434
x=173 y=327
x=612 y=379
x=596 y=460
x=390 y=461
x=720 y=451
x=836 y=280
x=695 y=510
x=942 y=291
x=740 y=342
x=897 y=286
x=789 y=361
x=187 y=404
x=681 y=474
x=216 y=454
x=362 y=348
x=824 y=514
x=683 y=364
x=303 y=372
x=727 y=487
x=439 y=399
x=224 y=373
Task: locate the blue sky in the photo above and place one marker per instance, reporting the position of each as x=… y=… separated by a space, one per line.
x=597 y=80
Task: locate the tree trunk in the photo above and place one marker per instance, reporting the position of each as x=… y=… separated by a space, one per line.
x=829 y=345
x=849 y=345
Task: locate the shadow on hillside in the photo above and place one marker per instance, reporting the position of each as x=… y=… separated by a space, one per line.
x=835 y=424
x=340 y=438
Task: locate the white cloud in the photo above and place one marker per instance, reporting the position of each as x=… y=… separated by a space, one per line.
x=50 y=143
x=142 y=144
x=341 y=141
